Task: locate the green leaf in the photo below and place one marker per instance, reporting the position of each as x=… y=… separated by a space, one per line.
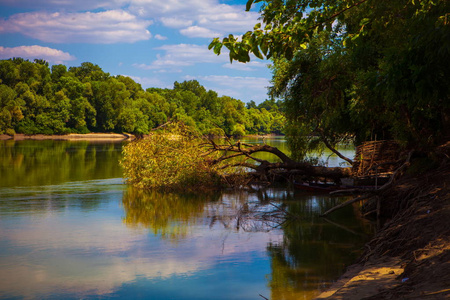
x=255 y=51
x=248 y=5
x=217 y=48
x=364 y=21
x=213 y=43
x=264 y=46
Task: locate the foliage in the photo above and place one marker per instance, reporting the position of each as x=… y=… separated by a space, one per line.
x=358 y=69
x=170 y=159
x=35 y=98
x=164 y=213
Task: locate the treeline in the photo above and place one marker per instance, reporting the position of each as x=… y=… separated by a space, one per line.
x=38 y=99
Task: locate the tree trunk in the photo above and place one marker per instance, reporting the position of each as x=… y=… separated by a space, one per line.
x=264 y=167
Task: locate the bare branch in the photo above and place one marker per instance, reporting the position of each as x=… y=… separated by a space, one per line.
x=372 y=193
x=329 y=146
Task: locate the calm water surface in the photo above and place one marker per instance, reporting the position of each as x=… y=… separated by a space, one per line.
x=70 y=228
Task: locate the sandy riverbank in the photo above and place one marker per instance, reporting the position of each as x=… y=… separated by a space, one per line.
x=71 y=137
x=409 y=257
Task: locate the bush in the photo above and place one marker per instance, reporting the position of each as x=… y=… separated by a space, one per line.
x=10 y=131
x=170 y=160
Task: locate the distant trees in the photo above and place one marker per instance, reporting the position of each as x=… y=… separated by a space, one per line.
x=35 y=98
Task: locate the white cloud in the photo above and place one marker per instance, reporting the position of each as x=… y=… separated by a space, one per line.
x=32 y=52
x=124 y=20
x=160 y=37
x=197 y=18
x=182 y=55
x=250 y=66
x=175 y=22
x=196 y=31
x=106 y=27
x=226 y=19
x=80 y=5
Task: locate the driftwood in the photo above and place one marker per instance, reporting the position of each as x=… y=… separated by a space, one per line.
x=263 y=168
x=370 y=193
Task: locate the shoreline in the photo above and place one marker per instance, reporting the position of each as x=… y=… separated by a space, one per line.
x=70 y=137
x=91 y=137
x=409 y=256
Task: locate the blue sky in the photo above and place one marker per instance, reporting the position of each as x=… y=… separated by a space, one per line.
x=155 y=42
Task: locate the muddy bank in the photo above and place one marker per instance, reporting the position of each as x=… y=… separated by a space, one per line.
x=71 y=137
x=409 y=257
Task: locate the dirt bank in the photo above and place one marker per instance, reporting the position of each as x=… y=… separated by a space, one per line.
x=71 y=137
x=409 y=258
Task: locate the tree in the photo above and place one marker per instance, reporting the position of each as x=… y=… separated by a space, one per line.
x=180 y=158
x=360 y=68
x=85 y=98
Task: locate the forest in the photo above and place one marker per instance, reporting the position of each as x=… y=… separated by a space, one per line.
x=38 y=99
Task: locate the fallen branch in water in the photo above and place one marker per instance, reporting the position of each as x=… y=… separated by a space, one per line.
x=369 y=193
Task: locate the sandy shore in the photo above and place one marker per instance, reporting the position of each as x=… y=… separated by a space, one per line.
x=71 y=137
x=409 y=257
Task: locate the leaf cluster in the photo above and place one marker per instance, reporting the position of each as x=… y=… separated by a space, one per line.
x=170 y=159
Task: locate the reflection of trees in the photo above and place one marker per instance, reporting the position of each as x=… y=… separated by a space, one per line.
x=171 y=214
x=25 y=163
x=167 y=214
x=313 y=251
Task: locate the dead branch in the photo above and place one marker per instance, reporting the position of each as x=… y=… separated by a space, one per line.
x=371 y=193
x=329 y=146
x=348 y=202
x=264 y=167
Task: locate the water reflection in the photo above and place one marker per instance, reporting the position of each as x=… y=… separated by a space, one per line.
x=70 y=228
x=33 y=163
x=166 y=214
x=170 y=215
x=311 y=253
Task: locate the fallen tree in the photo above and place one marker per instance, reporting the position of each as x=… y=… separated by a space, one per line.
x=264 y=170
x=178 y=158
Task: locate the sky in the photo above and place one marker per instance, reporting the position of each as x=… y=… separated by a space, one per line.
x=155 y=42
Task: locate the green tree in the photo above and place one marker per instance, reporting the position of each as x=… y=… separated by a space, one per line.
x=10 y=109
x=360 y=68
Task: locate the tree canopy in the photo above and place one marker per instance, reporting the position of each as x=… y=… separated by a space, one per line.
x=355 y=70
x=36 y=98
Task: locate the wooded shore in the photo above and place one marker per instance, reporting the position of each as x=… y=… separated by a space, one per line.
x=71 y=137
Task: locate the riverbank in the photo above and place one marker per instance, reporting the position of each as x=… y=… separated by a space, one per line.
x=71 y=137
x=409 y=258
x=91 y=136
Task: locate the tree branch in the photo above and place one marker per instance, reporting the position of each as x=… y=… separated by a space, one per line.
x=370 y=194
x=329 y=146
x=338 y=13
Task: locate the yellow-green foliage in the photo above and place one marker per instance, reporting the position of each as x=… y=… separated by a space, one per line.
x=170 y=160
x=165 y=213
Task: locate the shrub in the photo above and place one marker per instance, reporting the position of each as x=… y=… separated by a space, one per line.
x=171 y=160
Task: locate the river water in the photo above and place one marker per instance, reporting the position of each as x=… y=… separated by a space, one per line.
x=71 y=229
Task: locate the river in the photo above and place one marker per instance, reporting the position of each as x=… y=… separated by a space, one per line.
x=71 y=229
